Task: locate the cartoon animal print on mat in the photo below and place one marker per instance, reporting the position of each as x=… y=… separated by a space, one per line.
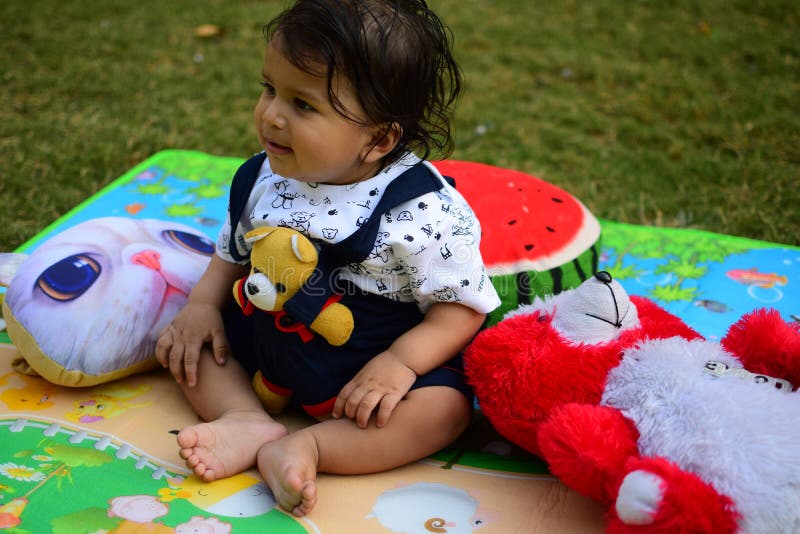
x=105 y=402
x=241 y=495
x=35 y=394
x=138 y=512
x=204 y=525
x=426 y=507
x=54 y=478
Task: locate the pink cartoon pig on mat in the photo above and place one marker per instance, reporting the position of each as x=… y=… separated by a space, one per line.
x=137 y=508
x=203 y=525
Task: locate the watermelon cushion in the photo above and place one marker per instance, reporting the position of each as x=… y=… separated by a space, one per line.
x=537 y=238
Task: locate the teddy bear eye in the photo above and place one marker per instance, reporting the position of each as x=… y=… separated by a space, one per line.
x=280 y=288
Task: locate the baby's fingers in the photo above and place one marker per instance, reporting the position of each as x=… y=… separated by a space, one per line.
x=176 y=361
x=388 y=404
x=163 y=346
x=366 y=407
x=341 y=400
x=191 y=356
x=219 y=347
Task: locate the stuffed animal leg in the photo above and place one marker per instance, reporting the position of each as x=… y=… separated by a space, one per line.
x=593 y=450
x=656 y=496
x=767 y=345
x=587 y=447
x=273 y=398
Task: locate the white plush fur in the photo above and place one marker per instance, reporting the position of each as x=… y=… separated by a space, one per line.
x=740 y=436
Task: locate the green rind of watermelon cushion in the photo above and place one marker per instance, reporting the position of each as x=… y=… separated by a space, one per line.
x=537 y=238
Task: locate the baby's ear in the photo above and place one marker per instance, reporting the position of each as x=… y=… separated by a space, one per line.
x=9 y=265
x=385 y=137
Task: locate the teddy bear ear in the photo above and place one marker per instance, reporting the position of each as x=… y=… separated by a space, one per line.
x=303 y=249
x=257 y=233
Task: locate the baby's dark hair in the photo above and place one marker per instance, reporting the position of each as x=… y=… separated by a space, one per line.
x=395 y=53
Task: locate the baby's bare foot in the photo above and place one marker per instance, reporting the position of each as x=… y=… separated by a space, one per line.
x=228 y=445
x=289 y=467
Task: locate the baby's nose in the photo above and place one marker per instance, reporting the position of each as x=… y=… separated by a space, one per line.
x=274 y=115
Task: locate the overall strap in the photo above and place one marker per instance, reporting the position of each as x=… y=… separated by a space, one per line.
x=306 y=305
x=415 y=182
x=241 y=186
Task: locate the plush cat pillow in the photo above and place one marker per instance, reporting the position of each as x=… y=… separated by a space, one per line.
x=87 y=305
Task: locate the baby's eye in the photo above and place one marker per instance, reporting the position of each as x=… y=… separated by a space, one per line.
x=268 y=88
x=303 y=105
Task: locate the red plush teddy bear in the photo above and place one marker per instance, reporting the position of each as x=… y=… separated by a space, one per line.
x=631 y=407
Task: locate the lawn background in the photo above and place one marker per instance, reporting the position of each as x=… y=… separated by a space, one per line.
x=672 y=113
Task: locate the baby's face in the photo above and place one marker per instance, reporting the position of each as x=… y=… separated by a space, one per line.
x=303 y=134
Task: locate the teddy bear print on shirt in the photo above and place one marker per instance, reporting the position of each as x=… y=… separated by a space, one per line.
x=283 y=199
x=402 y=295
x=446 y=294
x=380 y=249
x=299 y=220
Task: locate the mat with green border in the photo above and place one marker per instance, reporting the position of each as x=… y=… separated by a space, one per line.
x=57 y=475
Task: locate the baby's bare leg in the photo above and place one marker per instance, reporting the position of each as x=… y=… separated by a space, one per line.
x=237 y=424
x=427 y=420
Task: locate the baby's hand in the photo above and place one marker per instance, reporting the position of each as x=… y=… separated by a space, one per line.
x=179 y=344
x=383 y=381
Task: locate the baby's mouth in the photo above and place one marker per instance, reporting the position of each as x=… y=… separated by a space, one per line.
x=276 y=148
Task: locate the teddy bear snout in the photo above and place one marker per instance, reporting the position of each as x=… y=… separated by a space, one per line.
x=260 y=291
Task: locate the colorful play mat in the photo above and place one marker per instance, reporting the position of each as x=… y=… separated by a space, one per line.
x=103 y=458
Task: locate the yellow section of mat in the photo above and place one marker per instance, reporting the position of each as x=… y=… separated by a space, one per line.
x=104 y=459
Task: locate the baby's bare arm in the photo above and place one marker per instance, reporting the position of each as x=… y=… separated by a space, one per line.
x=199 y=322
x=385 y=380
x=445 y=330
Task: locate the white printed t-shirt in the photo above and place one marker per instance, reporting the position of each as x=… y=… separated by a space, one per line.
x=426 y=250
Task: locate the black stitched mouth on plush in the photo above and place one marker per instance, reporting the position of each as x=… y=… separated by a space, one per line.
x=605 y=278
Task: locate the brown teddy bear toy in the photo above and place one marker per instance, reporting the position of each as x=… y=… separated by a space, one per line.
x=282 y=260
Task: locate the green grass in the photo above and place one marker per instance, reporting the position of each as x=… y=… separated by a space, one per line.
x=663 y=113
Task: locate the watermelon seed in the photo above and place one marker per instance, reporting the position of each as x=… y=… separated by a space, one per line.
x=557 y=200
x=529 y=246
x=512 y=221
x=549 y=229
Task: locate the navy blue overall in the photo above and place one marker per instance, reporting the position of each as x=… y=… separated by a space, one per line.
x=311 y=370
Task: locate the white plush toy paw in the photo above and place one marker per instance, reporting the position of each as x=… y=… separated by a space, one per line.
x=640 y=497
